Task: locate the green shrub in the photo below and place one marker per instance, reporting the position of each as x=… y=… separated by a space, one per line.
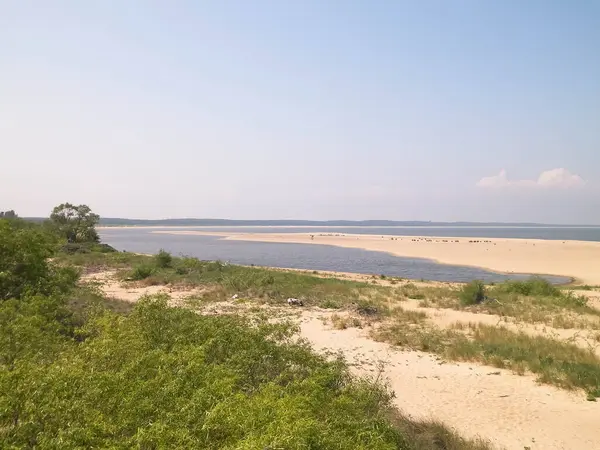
x=531 y=287
x=141 y=272
x=571 y=299
x=186 y=264
x=103 y=248
x=163 y=259
x=472 y=293
x=168 y=378
x=72 y=248
x=25 y=268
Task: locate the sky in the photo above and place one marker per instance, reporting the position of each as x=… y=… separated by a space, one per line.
x=462 y=110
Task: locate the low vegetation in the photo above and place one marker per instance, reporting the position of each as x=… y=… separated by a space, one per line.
x=166 y=377
x=472 y=293
x=534 y=300
x=78 y=370
x=559 y=363
x=221 y=281
x=411 y=291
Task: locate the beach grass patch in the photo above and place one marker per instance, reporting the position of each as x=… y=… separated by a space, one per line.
x=558 y=363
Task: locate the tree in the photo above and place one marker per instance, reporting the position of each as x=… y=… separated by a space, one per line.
x=8 y=214
x=25 y=269
x=76 y=223
x=23 y=259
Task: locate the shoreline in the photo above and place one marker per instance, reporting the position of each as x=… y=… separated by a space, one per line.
x=571 y=259
x=466 y=227
x=363 y=276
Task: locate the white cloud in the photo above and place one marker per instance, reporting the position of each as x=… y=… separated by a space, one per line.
x=560 y=178
x=554 y=178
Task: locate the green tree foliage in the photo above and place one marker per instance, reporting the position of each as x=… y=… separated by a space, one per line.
x=75 y=223
x=24 y=266
x=8 y=214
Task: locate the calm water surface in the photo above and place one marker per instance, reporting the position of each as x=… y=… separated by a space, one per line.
x=312 y=257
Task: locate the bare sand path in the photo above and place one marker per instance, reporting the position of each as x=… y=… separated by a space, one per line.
x=577 y=259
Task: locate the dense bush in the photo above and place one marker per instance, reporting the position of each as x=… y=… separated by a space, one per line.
x=163 y=259
x=168 y=378
x=24 y=266
x=141 y=272
x=472 y=293
x=530 y=287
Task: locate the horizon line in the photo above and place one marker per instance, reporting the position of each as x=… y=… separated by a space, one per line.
x=329 y=222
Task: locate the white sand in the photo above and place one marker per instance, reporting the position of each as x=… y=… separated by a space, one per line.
x=577 y=259
x=511 y=411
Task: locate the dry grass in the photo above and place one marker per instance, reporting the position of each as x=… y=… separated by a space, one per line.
x=559 y=363
x=340 y=322
x=433 y=435
x=559 y=308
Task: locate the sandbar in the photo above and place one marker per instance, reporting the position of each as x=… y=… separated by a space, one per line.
x=579 y=260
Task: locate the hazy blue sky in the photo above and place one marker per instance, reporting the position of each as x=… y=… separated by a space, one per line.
x=429 y=110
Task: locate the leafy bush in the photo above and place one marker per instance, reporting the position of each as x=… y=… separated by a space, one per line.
x=472 y=293
x=141 y=272
x=163 y=259
x=168 y=378
x=531 y=287
x=24 y=266
x=186 y=264
x=578 y=301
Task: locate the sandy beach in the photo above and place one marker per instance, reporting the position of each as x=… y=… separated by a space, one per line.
x=577 y=259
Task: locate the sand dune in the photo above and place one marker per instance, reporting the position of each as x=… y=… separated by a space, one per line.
x=577 y=259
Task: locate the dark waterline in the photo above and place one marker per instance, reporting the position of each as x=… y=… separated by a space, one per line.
x=300 y=256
